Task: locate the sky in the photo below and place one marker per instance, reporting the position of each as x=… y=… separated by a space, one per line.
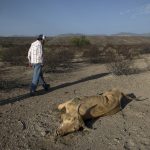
x=55 y=17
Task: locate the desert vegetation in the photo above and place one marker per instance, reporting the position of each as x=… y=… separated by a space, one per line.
x=60 y=57
x=80 y=41
x=117 y=53
x=74 y=69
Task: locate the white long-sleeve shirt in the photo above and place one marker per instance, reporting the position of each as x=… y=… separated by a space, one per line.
x=35 y=53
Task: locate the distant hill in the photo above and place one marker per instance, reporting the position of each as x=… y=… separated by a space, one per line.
x=131 y=34
x=81 y=34
x=118 y=34
x=146 y=34
x=70 y=34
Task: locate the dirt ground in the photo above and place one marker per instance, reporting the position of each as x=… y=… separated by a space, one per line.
x=29 y=123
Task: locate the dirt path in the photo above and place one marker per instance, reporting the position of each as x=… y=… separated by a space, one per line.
x=30 y=122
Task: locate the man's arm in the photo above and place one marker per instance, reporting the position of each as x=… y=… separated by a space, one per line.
x=41 y=53
x=29 y=57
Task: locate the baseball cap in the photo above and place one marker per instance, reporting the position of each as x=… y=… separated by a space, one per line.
x=41 y=37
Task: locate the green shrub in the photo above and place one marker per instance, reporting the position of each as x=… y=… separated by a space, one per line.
x=80 y=41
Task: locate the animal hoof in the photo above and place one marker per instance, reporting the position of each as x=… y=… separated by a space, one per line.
x=86 y=129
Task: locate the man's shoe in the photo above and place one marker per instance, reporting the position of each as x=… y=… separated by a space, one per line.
x=32 y=93
x=32 y=89
x=46 y=87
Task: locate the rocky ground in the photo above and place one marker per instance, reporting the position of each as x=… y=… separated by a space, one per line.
x=29 y=123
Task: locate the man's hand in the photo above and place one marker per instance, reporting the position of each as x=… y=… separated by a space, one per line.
x=30 y=65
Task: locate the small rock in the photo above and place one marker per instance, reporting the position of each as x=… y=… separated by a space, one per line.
x=117 y=140
x=129 y=144
x=40 y=130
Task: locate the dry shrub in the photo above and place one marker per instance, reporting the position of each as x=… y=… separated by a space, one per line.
x=93 y=53
x=128 y=51
x=57 y=58
x=145 y=49
x=107 y=53
x=98 y=54
x=119 y=65
x=120 y=58
x=147 y=61
x=9 y=85
x=110 y=54
x=16 y=55
x=116 y=62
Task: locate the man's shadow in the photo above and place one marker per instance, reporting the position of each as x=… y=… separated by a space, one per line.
x=42 y=92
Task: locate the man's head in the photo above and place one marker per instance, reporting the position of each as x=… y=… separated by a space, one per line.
x=41 y=38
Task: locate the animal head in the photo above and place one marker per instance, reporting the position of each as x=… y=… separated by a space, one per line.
x=69 y=124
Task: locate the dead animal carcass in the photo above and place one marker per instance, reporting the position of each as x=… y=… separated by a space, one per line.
x=78 y=110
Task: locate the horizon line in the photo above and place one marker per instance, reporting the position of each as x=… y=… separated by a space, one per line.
x=83 y=34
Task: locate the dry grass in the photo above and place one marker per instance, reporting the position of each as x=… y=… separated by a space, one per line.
x=58 y=57
x=60 y=51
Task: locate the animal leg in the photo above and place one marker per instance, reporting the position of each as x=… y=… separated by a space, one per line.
x=61 y=106
x=113 y=111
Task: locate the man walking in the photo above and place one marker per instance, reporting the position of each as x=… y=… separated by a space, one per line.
x=35 y=57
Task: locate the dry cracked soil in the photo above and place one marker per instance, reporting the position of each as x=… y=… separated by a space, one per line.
x=29 y=123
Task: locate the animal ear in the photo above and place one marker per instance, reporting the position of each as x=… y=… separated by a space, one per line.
x=61 y=106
